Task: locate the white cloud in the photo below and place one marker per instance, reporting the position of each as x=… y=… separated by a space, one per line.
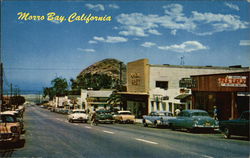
x=92 y=42
x=232 y=6
x=138 y=24
x=113 y=6
x=154 y=32
x=188 y=46
x=97 y=7
x=148 y=44
x=244 y=43
x=173 y=32
x=98 y=38
x=55 y=21
x=86 y=50
x=111 y=39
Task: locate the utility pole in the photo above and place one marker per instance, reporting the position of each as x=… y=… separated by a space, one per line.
x=1 y=86
x=120 y=84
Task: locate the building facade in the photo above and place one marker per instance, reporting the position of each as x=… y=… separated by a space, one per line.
x=157 y=87
x=229 y=92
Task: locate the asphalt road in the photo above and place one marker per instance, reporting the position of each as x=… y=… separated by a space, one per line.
x=49 y=135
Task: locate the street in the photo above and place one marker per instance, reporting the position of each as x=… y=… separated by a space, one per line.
x=49 y=134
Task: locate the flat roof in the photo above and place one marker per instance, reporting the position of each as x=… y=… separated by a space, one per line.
x=201 y=67
x=226 y=73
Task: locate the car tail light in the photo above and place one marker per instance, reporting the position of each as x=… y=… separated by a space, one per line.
x=13 y=129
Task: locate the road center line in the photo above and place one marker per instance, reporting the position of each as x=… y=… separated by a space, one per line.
x=206 y=156
x=146 y=141
x=88 y=127
x=108 y=132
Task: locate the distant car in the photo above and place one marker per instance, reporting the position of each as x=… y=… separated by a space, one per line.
x=239 y=127
x=192 y=120
x=10 y=129
x=104 y=116
x=18 y=117
x=124 y=117
x=78 y=115
x=157 y=118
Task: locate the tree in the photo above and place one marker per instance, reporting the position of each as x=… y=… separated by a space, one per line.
x=59 y=88
x=114 y=100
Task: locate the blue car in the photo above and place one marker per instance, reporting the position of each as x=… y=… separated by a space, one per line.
x=157 y=118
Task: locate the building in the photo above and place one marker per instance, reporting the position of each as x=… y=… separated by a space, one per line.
x=92 y=99
x=229 y=92
x=159 y=87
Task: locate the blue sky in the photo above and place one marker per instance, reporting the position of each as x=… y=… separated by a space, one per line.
x=204 y=32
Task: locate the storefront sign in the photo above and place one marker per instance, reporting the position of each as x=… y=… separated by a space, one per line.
x=135 y=79
x=233 y=81
x=187 y=83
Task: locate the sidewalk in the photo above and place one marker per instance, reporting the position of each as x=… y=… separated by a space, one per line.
x=138 y=121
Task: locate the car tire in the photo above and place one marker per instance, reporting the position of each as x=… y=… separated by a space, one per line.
x=70 y=120
x=226 y=133
x=155 y=124
x=171 y=126
x=144 y=123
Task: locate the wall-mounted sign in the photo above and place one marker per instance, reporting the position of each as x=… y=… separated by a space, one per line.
x=135 y=78
x=187 y=83
x=233 y=81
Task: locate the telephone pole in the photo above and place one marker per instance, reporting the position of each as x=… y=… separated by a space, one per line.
x=1 y=86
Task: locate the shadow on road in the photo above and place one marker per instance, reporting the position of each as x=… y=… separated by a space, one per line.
x=7 y=149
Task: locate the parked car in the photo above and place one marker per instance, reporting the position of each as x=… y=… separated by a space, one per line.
x=10 y=129
x=192 y=120
x=239 y=127
x=104 y=116
x=157 y=118
x=18 y=117
x=78 y=115
x=124 y=117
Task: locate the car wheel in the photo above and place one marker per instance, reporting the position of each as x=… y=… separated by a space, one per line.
x=171 y=126
x=226 y=133
x=155 y=124
x=144 y=123
x=70 y=120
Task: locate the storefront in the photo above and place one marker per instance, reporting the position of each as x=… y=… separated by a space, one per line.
x=229 y=92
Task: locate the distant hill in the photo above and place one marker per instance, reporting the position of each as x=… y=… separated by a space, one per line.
x=109 y=66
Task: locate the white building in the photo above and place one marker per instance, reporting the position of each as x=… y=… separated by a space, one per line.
x=156 y=87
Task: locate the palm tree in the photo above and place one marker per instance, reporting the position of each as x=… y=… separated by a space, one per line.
x=114 y=100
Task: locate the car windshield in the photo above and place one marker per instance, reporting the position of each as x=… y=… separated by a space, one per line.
x=125 y=113
x=7 y=119
x=82 y=112
x=200 y=114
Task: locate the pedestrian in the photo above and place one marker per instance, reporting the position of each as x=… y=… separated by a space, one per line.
x=177 y=111
x=215 y=113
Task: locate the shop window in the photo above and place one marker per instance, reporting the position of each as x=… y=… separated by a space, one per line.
x=152 y=105
x=164 y=106
x=157 y=106
x=162 y=84
x=170 y=107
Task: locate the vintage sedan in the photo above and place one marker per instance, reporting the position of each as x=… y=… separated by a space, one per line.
x=104 y=116
x=192 y=120
x=124 y=117
x=239 y=127
x=157 y=118
x=10 y=129
x=18 y=117
x=78 y=115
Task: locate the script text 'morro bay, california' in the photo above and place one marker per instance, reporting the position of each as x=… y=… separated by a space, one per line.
x=52 y=16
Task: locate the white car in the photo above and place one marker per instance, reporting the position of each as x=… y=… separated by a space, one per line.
x=78 y=115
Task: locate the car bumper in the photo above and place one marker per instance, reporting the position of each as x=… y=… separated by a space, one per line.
x=9 y=137
x=205 y=126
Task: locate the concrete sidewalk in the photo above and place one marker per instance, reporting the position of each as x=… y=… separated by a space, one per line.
x=138 y=121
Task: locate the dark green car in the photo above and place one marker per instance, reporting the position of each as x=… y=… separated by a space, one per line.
x=104 y=116
x=239 y=127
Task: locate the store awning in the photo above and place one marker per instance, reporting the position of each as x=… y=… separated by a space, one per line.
x=133 y=93
x=182 y=96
